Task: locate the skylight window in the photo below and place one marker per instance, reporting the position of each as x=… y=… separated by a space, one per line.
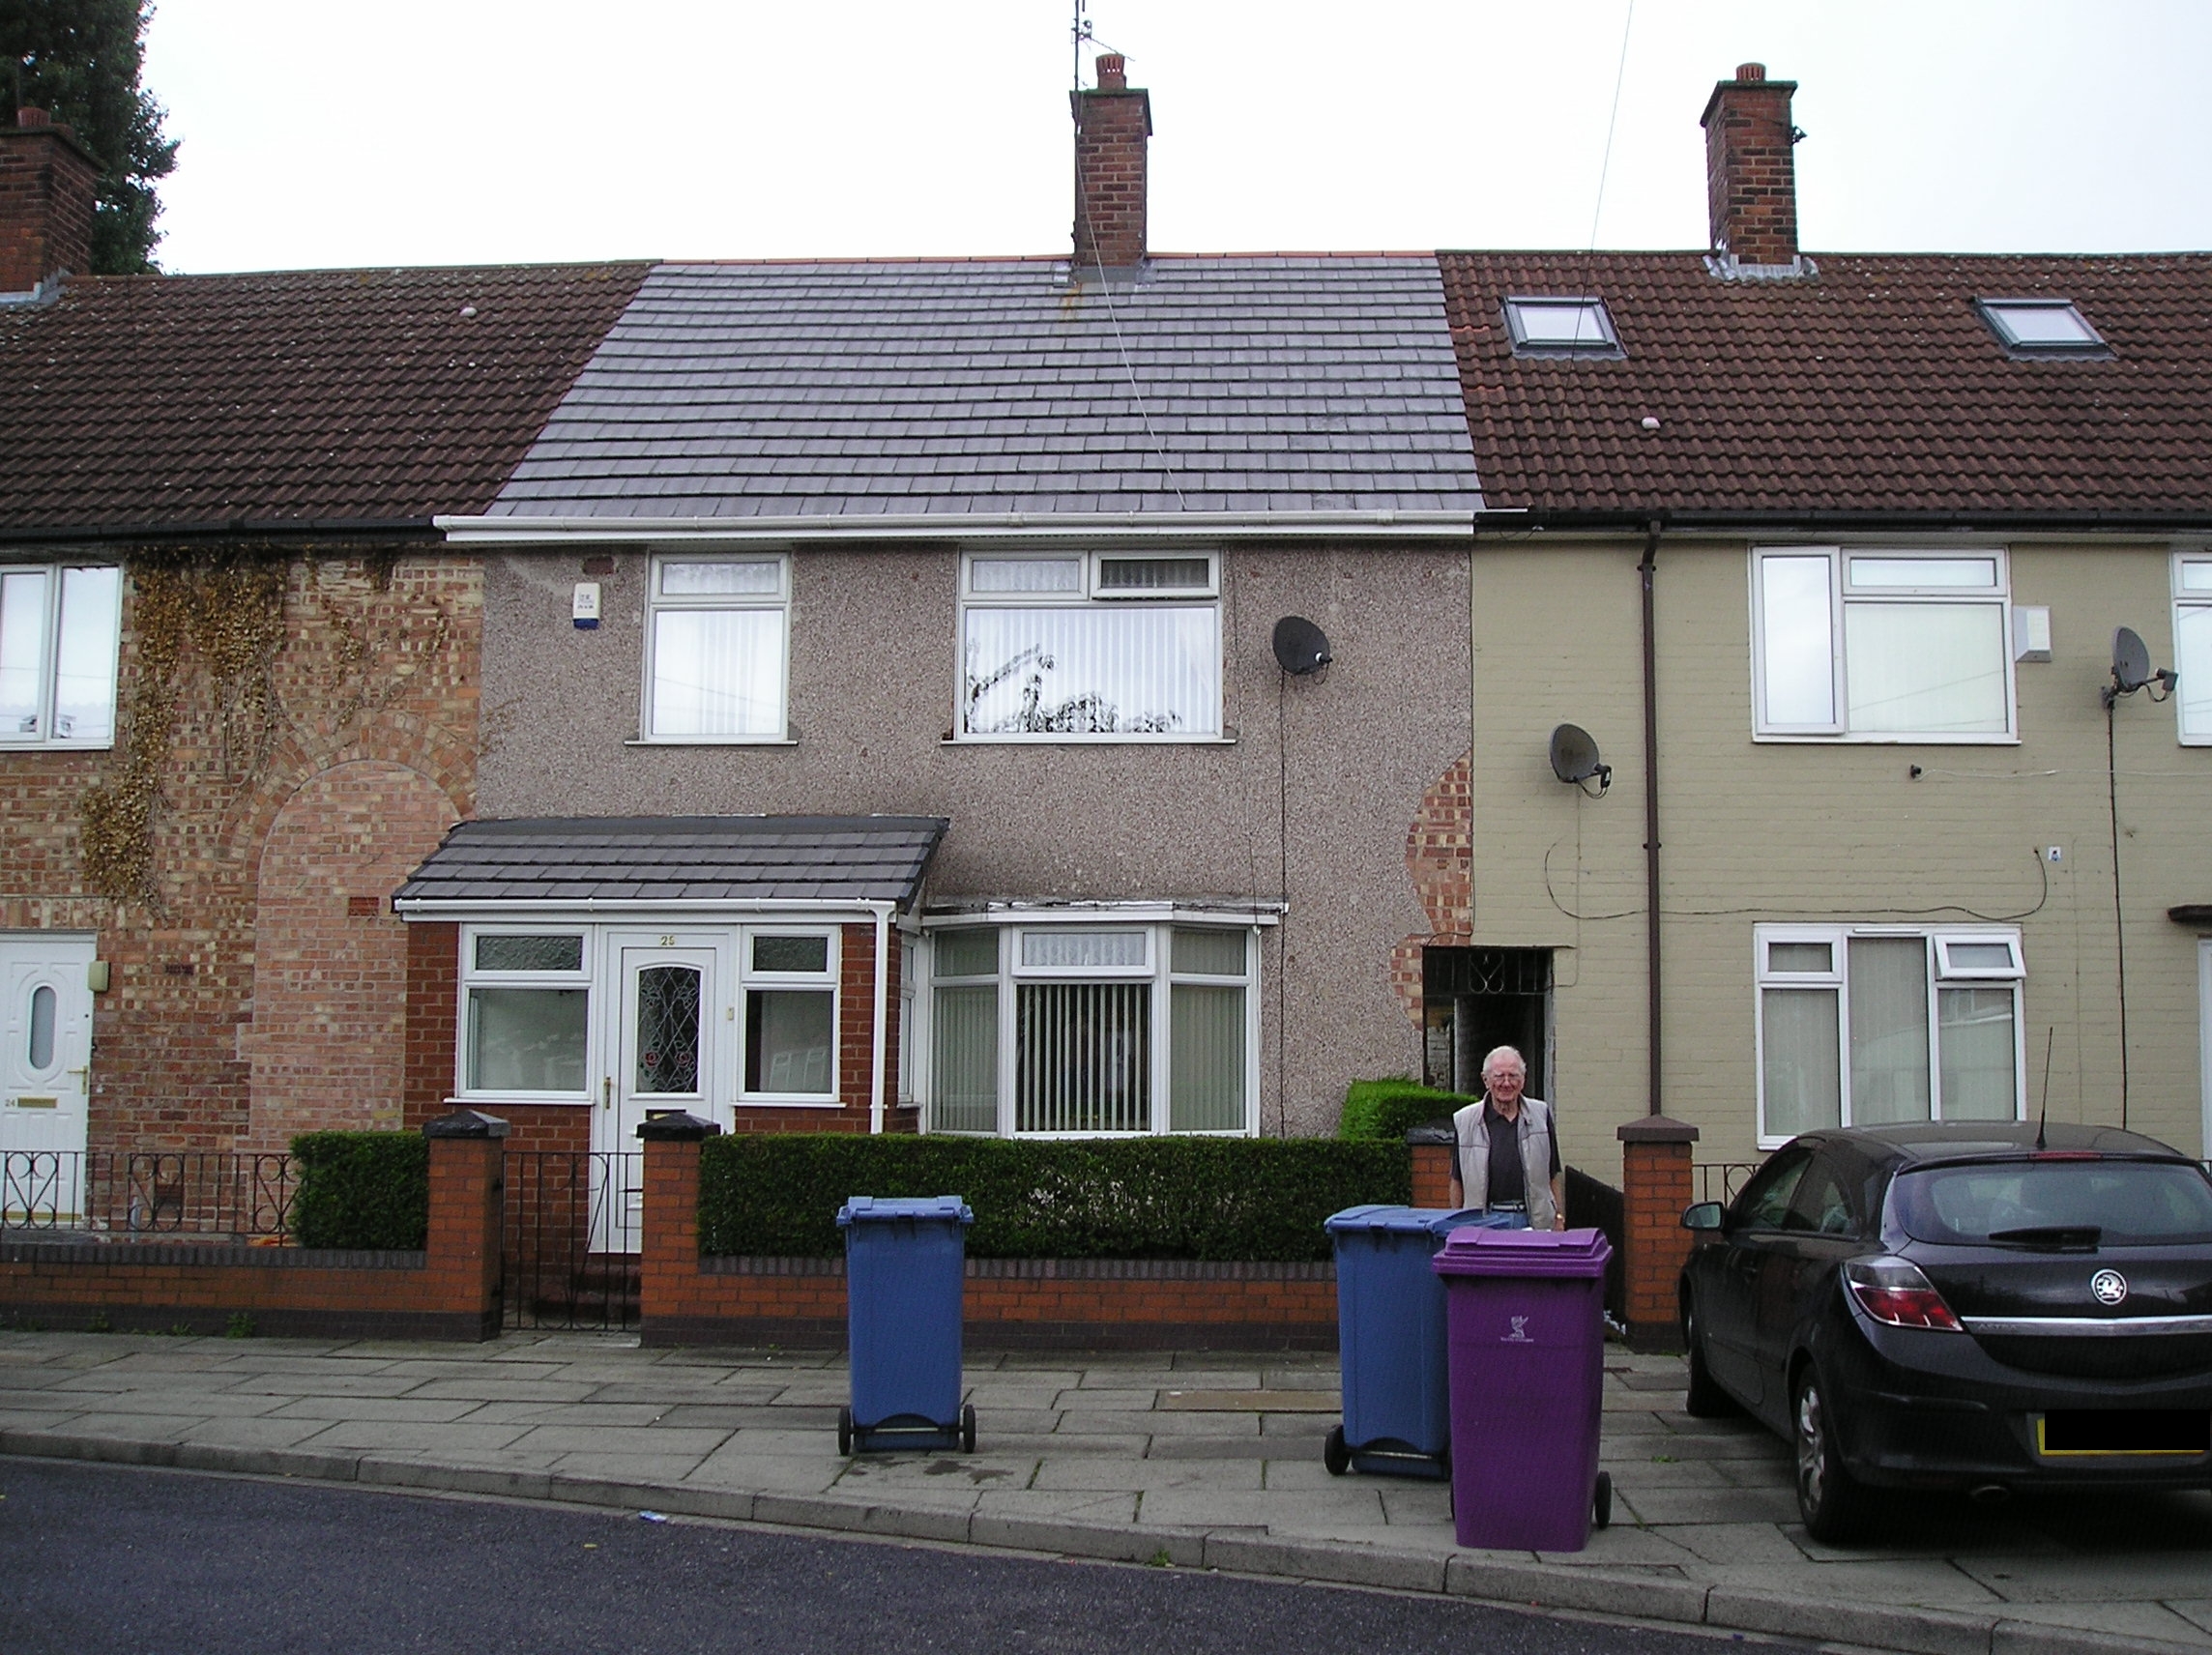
x=2042 y=327
x=1561 y=326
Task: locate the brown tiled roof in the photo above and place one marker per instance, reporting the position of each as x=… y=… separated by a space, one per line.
x=321 y=396
x=1870 y=388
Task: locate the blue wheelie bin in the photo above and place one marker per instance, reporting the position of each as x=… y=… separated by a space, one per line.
x=1390 y=1337
x=905 y=1268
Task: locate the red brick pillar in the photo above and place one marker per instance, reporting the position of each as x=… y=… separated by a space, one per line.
x=1430 y=1147
x=668 y=1252
x=1656 y=1188
x=468 y=1160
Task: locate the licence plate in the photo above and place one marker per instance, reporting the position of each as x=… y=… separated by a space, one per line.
x=2181 y=1433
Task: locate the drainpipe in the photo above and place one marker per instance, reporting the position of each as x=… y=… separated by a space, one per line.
x=876 y=1058
x=1645 y=571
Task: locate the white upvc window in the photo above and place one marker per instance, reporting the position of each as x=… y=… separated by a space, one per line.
x=717 y=648
x=1073 y=646
x=60 y=629
x=2193 y=645
x=1058 y=1030
x=788 y=982
x=526 y=1013
x=1878 y=645
x=1879 y=1024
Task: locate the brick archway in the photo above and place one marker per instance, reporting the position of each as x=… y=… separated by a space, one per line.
x=326 y=1044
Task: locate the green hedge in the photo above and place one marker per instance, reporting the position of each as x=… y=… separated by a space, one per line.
x=1384 y=1111
x=362 y=1189
x=1150 y=1197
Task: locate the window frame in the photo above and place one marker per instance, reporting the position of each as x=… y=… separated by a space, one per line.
x=657 y=604
x=2189 y=601
x=1993 y=311
x=585 y=977
x=830 y=979
x=1090 y=591
x=1526 y=344
x=1842 y=594
x=1938 y=941
x=56 y=576
x=1158 y=973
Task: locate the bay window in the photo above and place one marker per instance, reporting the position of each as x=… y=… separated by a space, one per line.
x=1065 y=646
x=1068 y=1031
x=1882 y=645
x=59 y=632
x=1880 y=1026
x=715 y=643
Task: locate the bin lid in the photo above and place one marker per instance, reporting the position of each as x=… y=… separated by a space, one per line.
x=1410 y=1220
x=881 y=1208
x=1474 y=1252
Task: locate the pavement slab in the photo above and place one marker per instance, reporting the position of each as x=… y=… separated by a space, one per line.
x=1201 y=1460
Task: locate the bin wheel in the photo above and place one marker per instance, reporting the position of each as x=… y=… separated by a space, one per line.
x=845 y=1431
x=1334 y=1454
x=1601 y=1507
x=967 y=1428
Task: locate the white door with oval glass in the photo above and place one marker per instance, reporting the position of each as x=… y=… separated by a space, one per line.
x=46 y=1024
x=664 y=1055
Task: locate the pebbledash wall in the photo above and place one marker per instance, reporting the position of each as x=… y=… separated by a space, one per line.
x=1310 y=805
x=256 y=970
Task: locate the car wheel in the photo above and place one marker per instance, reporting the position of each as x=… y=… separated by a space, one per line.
x=1833 y=1502
x=1704 y=1398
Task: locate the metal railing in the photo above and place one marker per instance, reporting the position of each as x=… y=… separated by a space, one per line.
x=570 y=1236
x=1721 y=1180
x=216 y=1194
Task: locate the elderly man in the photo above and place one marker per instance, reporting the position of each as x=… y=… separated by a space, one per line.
x=1507 y=1158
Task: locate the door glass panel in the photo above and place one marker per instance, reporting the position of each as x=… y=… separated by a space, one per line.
x=41 y=1051
x=1889 y=1029
x=787 y=1040
x=1084 y=1057
x=668 y=1028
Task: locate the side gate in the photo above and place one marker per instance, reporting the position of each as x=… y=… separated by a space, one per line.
x=568 y=1254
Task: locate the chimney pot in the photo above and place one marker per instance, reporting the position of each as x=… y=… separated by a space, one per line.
x=1112 y=72
x=1750 y=170
x=30 y=117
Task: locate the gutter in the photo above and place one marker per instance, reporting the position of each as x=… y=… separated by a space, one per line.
x=1819 y=521
x=236 y=528
x=963 y=526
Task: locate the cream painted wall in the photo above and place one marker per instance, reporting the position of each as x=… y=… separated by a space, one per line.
x=1758 y=831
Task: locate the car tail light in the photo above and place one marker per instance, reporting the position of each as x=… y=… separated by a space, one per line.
x=1894 y=1291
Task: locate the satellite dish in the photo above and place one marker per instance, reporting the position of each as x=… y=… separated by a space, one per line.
x=1574 y=757
x=1301 y=647
x=2131 y=661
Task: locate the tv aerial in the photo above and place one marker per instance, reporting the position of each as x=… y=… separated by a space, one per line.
x=1575 y=759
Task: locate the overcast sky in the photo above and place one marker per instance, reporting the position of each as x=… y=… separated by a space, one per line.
x=322 y=133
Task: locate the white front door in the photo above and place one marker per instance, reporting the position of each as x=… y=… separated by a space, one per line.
x=667 y=1056
x=45 y=1063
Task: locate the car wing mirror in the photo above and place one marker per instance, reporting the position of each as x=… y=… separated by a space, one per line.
x=1703 y=1215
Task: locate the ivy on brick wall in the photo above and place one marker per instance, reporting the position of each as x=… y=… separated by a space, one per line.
x=1147 y=1198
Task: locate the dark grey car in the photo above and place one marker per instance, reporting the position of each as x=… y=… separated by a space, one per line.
x=1962 y=1306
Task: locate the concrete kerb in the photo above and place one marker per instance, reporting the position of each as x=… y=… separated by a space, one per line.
x=1633 y=1596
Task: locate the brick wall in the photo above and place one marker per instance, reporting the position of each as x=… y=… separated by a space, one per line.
x=377 y=678
x=1655 y=1175
x=1440 y=860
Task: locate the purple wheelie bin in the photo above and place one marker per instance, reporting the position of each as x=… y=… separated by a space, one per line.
x=1524 y=1342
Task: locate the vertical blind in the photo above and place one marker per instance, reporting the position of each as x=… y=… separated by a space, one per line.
x=1082 y=1058
x=1101 y=670
x=717 y=672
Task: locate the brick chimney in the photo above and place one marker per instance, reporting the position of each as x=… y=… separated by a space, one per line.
x=1111 y=125
x=1750 y=170
x=46 y=193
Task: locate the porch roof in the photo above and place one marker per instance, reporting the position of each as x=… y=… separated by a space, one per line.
x=635 y=861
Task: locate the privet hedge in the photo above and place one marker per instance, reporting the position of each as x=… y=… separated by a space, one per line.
x=362 y=1189
x=1148 y=1198
x=1383 y=1111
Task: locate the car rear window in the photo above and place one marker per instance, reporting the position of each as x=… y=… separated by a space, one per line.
x=2129 y=1204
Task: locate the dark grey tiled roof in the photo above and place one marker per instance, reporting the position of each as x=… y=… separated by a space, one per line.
x=679 y=858
x=1254 y=384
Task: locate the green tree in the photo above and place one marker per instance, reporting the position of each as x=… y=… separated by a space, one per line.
x=81 y=59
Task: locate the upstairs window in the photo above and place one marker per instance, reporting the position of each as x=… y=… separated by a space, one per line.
x=2041 y=328
x=1884 y=646
x=2193 y=645
x=59 y=631
x=715 y=648
x=1070 y=646
x=1561 y=326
